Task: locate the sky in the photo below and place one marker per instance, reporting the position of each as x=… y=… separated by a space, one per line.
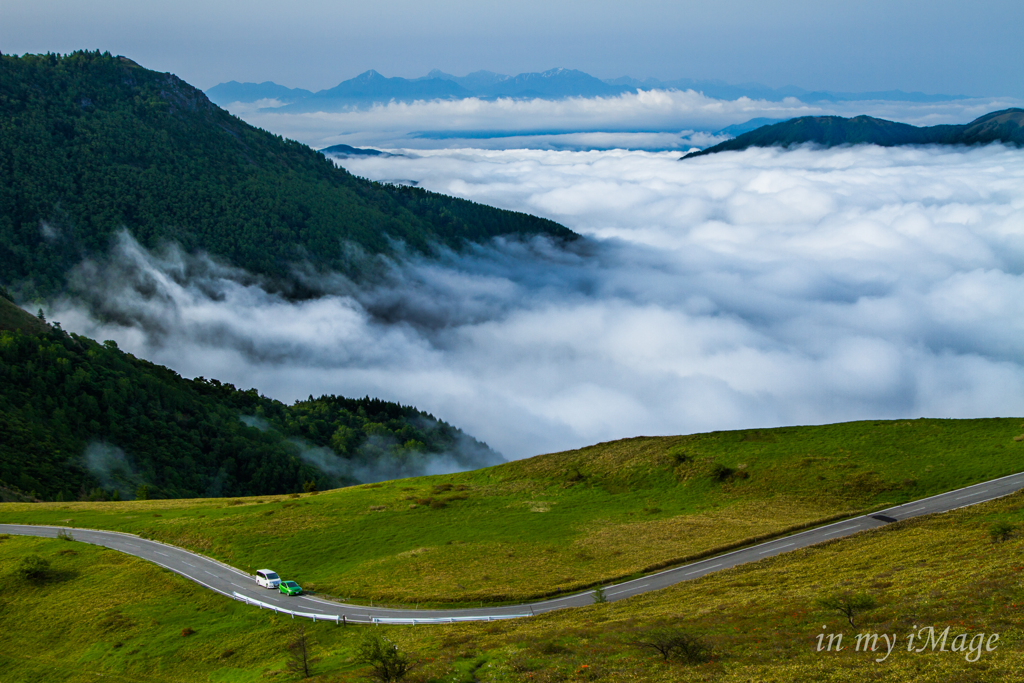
x=739 y=290
x=932 y=46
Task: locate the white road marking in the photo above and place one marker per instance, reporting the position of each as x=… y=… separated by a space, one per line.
x=916 y=509
x=160 y=553
x=778 y=547
x=839 y=531
x=703 y=569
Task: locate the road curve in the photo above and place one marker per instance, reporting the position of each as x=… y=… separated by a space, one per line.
x=236 y=584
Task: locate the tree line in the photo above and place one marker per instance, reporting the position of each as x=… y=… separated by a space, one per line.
x=80 y=419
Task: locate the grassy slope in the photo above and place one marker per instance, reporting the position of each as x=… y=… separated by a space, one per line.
x=116 y=617
x=568 y=520
x=14 y=318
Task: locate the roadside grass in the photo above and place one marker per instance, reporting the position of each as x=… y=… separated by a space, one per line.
x=113 y=617
x=565 y=521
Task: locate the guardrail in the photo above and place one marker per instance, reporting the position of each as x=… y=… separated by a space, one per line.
x=336 y=618
x=343 y=619
x=444 y=620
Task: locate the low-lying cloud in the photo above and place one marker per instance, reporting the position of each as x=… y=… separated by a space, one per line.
x=657 y=119
x=738 y=290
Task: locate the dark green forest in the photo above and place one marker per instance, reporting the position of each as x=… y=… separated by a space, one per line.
x=83 y=420
x=91 y=144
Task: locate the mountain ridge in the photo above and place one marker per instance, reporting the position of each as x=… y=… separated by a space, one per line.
x=1006 y=126
x=556 y=83
x=93 y=145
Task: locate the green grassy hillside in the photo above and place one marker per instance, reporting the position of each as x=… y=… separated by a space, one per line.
x=92 y=144
x=569 y=520
x=106 y=616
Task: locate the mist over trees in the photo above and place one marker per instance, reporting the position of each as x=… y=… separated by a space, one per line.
x=92 y=144
x=79 y=419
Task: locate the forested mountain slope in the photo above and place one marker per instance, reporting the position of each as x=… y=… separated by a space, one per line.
x=82 y=419
x=1006 y=126
x=91 y=144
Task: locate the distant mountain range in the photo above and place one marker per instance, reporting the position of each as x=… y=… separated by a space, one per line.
x=371 y=88
x=1005 y=126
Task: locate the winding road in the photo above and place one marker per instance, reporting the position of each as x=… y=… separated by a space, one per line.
x=238 y=585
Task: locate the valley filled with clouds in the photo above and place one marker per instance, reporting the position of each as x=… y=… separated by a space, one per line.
x=737 y=290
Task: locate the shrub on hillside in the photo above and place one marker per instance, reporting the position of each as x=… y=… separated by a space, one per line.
x=1001 y=531
x=34 y=569
x=674 y=643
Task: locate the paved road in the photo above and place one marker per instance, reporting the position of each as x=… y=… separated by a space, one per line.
x=236 y=584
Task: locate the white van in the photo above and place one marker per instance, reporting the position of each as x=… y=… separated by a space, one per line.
x=267 y=578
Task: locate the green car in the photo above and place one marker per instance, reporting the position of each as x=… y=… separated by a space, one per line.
x=290 y=588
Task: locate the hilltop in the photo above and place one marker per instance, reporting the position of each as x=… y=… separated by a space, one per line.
x=94 y=144
x=1006 y=126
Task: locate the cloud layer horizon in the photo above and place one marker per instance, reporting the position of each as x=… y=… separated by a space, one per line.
x=741 y=290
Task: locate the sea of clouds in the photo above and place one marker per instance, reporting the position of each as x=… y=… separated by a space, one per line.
x=651 y=120
x=738 y=290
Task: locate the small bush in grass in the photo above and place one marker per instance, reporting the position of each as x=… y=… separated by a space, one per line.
x=599 y=595
x=1001 y=531
x=187 y=631
x=65 y=535
x=680 y=455
x=848 y=604
x=386 y=661
x=720 y=472
x=34 y=569
x=676 y=644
